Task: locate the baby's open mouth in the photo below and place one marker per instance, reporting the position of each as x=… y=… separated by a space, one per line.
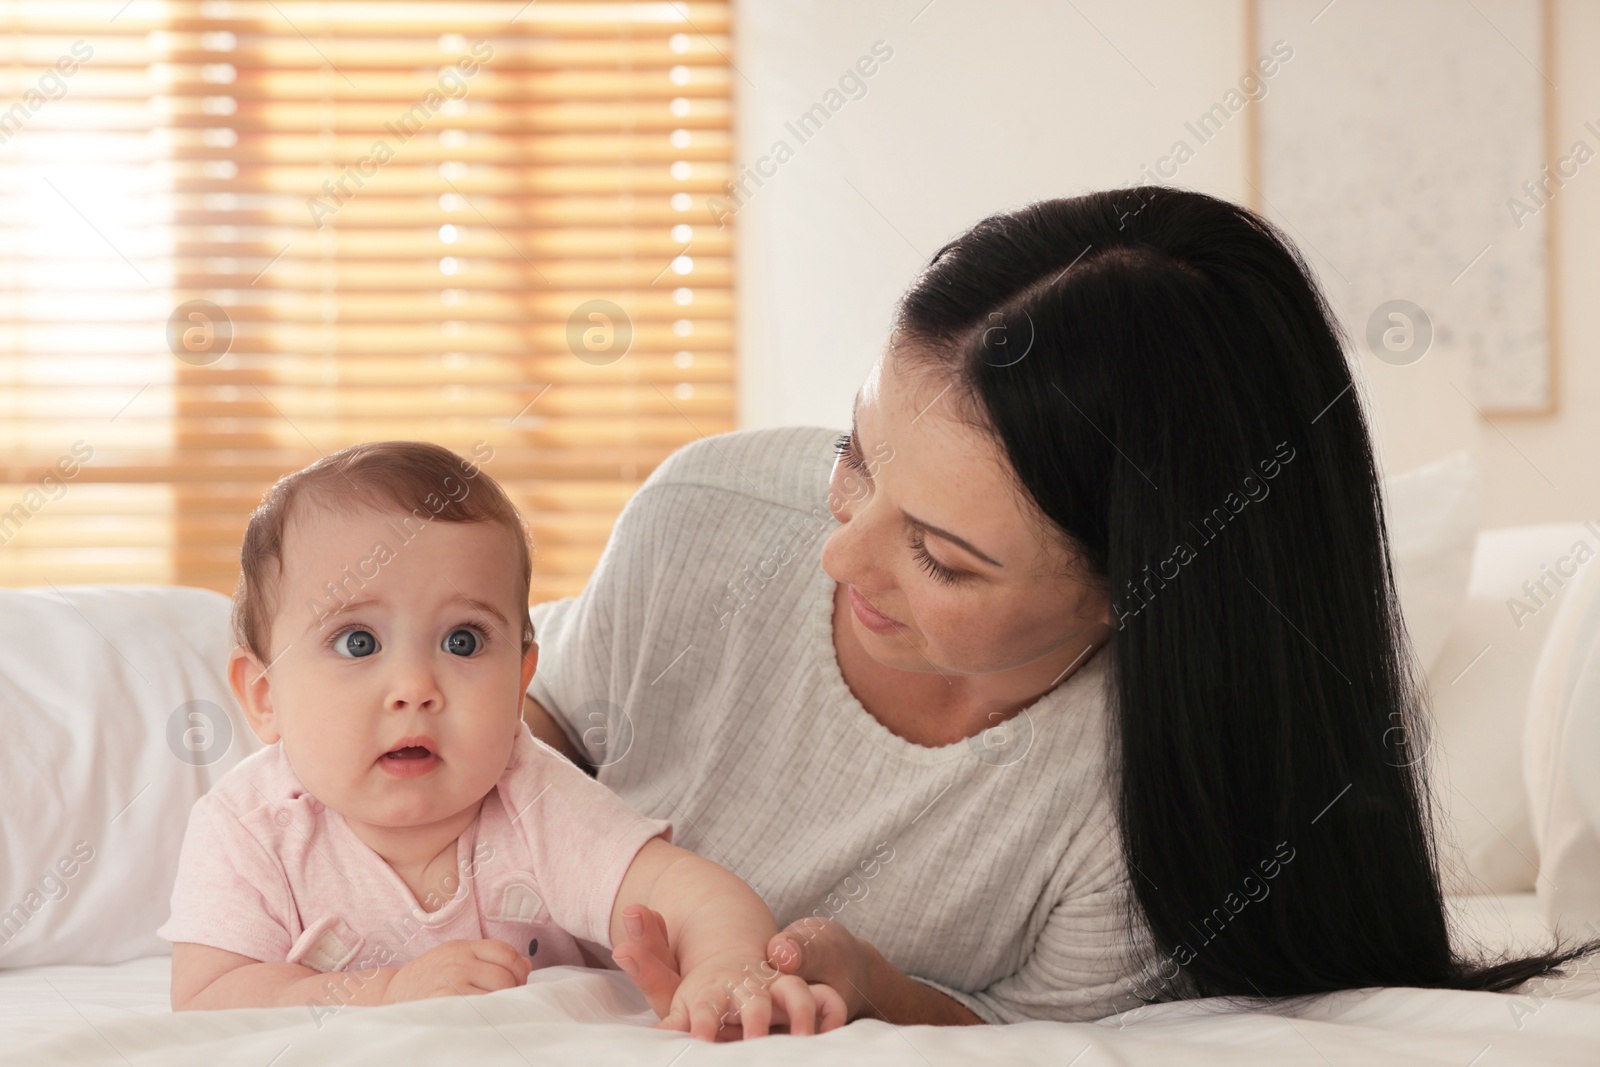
x=412 y=757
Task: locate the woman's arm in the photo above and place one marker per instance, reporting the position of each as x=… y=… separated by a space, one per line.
x=888 y=992
x=544 y=726
x=873 y=987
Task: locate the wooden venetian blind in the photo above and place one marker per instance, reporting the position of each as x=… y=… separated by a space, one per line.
x=241 y=234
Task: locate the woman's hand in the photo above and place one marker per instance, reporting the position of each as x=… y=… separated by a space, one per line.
x=648 y=960
x=822 y=950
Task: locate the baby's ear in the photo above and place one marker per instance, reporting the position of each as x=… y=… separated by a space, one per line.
x=247 y=677
x=530 y=663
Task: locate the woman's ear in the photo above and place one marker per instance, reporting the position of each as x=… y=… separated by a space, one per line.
x=248 y=680
x=1101 y=608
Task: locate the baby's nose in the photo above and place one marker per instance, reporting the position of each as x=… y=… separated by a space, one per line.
x=416 y=690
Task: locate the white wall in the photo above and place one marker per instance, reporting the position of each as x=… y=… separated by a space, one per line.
x=984 y=106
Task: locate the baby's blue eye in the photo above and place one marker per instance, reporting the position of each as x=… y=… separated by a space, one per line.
x=461 y=642
x=355 y=644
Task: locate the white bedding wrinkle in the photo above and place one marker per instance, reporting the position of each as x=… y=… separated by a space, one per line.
x=574 y=1015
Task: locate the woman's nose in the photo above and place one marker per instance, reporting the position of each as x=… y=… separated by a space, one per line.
x=847 y=491
x=851 y=553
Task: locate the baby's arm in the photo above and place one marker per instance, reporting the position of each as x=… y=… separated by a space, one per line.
x=719 y=929
x=206 y=977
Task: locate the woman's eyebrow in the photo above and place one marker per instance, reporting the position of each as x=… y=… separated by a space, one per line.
x=948 y=536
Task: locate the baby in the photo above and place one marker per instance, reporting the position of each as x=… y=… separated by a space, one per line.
x=403 y=835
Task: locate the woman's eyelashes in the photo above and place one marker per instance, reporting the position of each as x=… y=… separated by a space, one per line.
x=846 y=447
x=936 y=570
x=358 y=642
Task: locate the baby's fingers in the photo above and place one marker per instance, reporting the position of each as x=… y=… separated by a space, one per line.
x=830 y=1007
x=500 y=954
x=676 y=1019
x=756 y=1017
x=704 y=1021
x=795 y=998
x=491 y=977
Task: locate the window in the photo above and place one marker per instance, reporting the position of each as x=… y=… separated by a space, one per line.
x=240 y=234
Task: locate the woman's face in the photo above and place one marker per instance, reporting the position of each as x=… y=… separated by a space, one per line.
x=949 y=568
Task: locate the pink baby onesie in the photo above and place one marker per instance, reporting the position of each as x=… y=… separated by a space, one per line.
x=269 y=872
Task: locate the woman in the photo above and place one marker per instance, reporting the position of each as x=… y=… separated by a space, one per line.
x=1100 y=693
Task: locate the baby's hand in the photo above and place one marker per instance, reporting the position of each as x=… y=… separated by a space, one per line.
x=831 y=1014
x=731 y=991
x=459 y=967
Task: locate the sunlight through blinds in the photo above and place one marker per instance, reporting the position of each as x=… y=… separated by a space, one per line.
x=238 y=234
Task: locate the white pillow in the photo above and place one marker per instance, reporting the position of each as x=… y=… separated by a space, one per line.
x=1479 y=691
x=116 y=716
x=1432 y=515
x=1561 y=753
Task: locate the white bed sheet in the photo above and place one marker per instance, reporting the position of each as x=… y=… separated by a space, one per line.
x=118 y=1015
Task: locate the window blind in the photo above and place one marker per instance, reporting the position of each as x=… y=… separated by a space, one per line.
x=238 y=234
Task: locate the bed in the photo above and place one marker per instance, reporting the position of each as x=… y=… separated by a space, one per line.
x=118 y=1015
x=102 y=764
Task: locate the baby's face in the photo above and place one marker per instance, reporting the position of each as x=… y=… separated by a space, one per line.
x=396 y=690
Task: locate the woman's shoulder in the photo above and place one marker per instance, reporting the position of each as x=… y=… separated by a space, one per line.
x=784 y=466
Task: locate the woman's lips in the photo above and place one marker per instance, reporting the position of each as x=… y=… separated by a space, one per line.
x=871 y=617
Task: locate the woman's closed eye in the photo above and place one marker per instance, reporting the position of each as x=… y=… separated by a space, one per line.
x=846 y=447
x=936 y=570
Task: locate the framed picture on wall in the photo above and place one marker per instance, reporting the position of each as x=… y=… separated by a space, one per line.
x=1411 y=155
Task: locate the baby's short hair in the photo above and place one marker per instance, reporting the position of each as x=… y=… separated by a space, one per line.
x=427 y=480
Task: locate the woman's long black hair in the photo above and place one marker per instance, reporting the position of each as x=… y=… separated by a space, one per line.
x=1169 y=385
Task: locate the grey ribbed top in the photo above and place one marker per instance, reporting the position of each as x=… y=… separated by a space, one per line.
x=697 y=670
